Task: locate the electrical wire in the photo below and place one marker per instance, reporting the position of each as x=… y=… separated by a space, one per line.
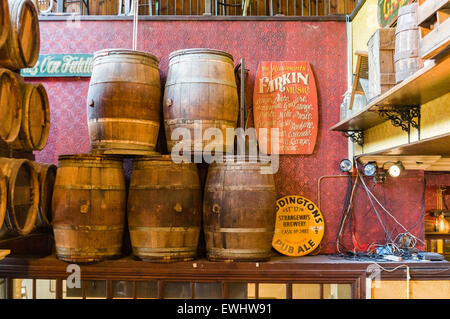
x=370 y=194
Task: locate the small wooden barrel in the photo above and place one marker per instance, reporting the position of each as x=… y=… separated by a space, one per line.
x=21 y=48
x=124 y=102
x=200 y=89
x=23 y=196
x=164 y=209
x=35 y=127
x=239 y=210
x=4 y=21
x=407 y=36
x=10 y=106
x=47 y=176
x=88 y=208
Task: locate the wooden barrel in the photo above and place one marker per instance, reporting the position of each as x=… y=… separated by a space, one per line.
x=88 y=208
x=3 y=198
x=47 y=176
x=407 y=36
x=164 y=209
x=10 y=106
x=4 y=21
x=35 y=126
x=239 y=210
x=23 y=196
x=200 y=89
x=21 y=48
x=124 y=102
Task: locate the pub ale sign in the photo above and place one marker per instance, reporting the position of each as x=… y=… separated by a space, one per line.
x=285 y=98
x=299 y=226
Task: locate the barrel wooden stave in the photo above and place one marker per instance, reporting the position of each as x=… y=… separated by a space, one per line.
x=47 y=175
x=23 y=196
x=3 y=198
x=4 y=21
x=164 y=209
x=88 y=208
x=22 y=45
x=10 y=106
x=124 y=102
x=35 y=128
x=239 y=212
x=407 y=37
x=201 y=86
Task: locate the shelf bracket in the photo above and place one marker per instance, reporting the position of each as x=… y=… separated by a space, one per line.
x=355 y=136
x=404 y=117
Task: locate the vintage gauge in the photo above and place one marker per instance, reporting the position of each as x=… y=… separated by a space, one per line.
x=345 y=165
x=370 y=169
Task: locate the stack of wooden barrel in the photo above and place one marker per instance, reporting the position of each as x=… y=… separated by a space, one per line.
x=167 y=204
x=25 y=186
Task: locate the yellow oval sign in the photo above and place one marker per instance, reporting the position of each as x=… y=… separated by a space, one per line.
x=299 y=226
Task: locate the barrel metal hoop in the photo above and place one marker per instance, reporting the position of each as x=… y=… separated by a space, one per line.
x=164 y=229
x=91 y=187
x=88 y=227
x=158 y=187
x=123 y=120
x=201 y=80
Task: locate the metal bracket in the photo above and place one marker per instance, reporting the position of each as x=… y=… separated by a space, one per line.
x=403 y=117
x=355 y=136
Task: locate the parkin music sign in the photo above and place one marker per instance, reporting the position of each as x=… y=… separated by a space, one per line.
x=285 y=97
x=61 y=65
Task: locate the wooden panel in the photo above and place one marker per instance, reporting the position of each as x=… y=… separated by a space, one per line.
x=38 y=244
x=427 y=10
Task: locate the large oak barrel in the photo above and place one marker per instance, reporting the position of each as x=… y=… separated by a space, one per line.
x=47 y=176
x=200 y=89
x=23 y=196
x=239 y=210
x=407 y=36
x=10 y=106
x=35 y=127
x=124 y=102
x=4 y=21
x=88 y=208
x=21 y=48
x=164 y=209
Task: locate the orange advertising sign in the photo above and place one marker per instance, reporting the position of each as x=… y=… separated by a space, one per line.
x=299 y=226
x=285 y=97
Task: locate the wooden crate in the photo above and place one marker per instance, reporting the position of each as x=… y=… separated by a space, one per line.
x=381 y=47
x=433 y=20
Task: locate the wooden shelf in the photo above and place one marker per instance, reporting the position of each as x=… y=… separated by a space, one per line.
x=437 y=234
x=426 y=84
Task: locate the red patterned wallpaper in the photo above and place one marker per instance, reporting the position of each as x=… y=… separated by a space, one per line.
x=322 y=44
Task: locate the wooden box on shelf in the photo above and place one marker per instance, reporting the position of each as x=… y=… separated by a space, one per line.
x=381 y=61
x=433 y=20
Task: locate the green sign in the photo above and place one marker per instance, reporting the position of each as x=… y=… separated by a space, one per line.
x=388 y=11
x=57 y=65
